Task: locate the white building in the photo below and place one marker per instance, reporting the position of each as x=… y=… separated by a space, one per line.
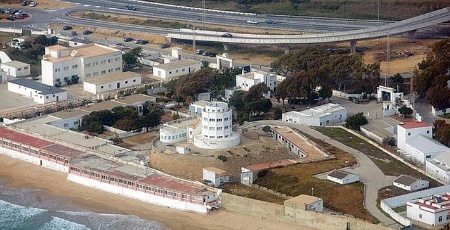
x=149 y=58
x=415 y=138
x=328 y=114
x=216 y=128
x=216 y=176
x=39 y=92
x=245 y=81
x=16 y=68
x=175 y=69
x=176 y=131
x=63 y=65
x=410 y=183
x=196 y=107
x=110 y=82
x=342 y=177
x=439 y=167
x=289 y=139
x=302 y=202
x=432 y=210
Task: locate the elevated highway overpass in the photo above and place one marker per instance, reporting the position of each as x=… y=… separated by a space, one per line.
x=400 y=27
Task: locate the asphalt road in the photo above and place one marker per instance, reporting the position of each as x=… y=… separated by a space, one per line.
x=41 y=18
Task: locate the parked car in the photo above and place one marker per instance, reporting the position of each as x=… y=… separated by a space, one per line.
x=24 y=3
x=128 y=39
x=8 y=11
x=141 y=42
x=269 y=21
x=119 y=45
x=251 y=21
x=67 y=27
x=130 y=7
x=212 y=54
x=10 y=17
x=74 y=33
x=226 y=35
x=165 y=45
x=33 y=4
x=87 y=32
x=206 y=53
x=199 y=51
x=21 y=15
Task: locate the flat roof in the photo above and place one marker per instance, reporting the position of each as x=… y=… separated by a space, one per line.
x=101 y=106
x=173 y=184
x=22 y=138
x=181 y=123
x=177 y=64
x=216 y=170
x=426 y=144
x=112 y=77
x=200 y=103
x=85 y=51
x=414 y=124
x=43 y=88
x=63 y=150
x=318 y=111
x=135 y=99
x=269 y=165
x=339 y=174
x=437 y=202
x=443 y=159
x=15 y=64
x=69 y=113
x=303 y=199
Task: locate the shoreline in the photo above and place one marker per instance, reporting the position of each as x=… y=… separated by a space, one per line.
x=26 y=175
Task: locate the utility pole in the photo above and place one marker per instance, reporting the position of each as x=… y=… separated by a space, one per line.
x=388 y=56
x=378 y=4
x=193 y=38
x=203 y=6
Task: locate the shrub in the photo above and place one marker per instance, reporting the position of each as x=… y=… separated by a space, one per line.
x=262 y=173
x=355 y=121
x=222 y=158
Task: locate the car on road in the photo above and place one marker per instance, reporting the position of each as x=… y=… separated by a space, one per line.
x=226 y=35
x=206 y=53
x=130 y=7
x=87 y=32
x=199 y=51
x=33 y=4
x=269 y=21
x=67 y=27
x=251 y=21
x=141 y=42
x=211 y=54
x=165 y=45
x=8 y=11
x=128 y=39
x=119 y=45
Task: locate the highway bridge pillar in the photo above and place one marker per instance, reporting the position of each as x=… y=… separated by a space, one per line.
x=287 y=50
x=353 y=46
x=226 y=47
x=412 y=36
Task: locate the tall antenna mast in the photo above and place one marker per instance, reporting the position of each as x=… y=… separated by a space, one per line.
x=193 y=38
x=388 y=57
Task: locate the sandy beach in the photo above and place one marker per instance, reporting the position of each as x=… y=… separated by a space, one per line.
x=25 y=175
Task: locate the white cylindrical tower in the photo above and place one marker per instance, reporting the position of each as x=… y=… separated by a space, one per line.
x=217 y=131
x=216 y=120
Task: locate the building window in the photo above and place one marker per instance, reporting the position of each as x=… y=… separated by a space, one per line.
x=428 y=131
x=95 y=73
x=46 y=97
x=134 y=80
x=126 y=82
x=409 y=134
x=101 y=87
x=103 y=72
x=176 y=71
x=219 y=128
x=88 y=75
x=182 y=70
x=57 y=70
x=170 y=72
x=25 y=68
x=66 y=67
x=420 y=215
x=440 y=219
x=226 y=127
x=74 y=66
x=88 y=65
x=103 y=62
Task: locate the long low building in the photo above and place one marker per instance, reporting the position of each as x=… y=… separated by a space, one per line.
x=85 y=168
x=111 y=82
x=328 y=114
x=37 y=91
x=176 y=68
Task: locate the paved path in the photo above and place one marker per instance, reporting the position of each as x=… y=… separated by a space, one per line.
x=372 y=177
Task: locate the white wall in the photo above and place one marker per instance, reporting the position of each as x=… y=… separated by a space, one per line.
x=36 y=95
x=223 y=143
x=42 y=99
x=437 y=172
x=34 y=160
x=403 y=135
x=68 y=123
x=176 y=72
x=16 y=72
x=169 y=134
x=146 y=197
x=110 y=86
x=211 y=176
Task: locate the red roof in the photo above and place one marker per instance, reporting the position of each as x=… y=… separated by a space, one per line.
x=171 y=184
x=63 y=150
x=414 y=124
x=22 y=138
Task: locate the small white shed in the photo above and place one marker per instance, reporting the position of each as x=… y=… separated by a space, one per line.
x=216 y=176
x=410 y=183
x=342 y=177
x=16 y=68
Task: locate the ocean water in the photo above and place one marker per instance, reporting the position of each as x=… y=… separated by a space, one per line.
x=33 y=209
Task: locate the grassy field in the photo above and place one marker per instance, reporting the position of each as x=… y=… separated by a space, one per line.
x=298 y=179
x=357 y=9
x=253 y=193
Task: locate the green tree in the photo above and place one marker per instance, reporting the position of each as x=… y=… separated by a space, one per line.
x=439 y=97
x=236 y=100
x=405 y=111
x=130 y=58
x=355 y=121
x=277 y=115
